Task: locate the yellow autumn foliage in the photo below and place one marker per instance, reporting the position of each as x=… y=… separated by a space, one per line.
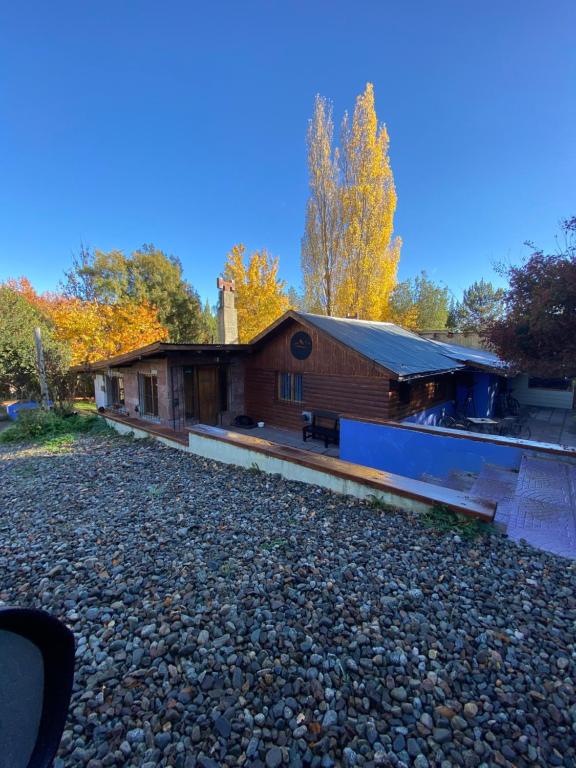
x=349 y=254
x=260 y=294
x=95 y=331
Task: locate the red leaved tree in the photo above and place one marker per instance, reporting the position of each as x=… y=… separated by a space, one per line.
x=537 y=334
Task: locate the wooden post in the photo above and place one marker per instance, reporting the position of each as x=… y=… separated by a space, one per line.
x=44 y=397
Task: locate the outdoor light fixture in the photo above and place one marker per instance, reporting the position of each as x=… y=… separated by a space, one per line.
x=36 y=675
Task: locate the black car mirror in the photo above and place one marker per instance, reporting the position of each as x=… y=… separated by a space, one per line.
x=36 y=676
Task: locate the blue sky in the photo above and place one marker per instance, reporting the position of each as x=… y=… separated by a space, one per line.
x=183 y=124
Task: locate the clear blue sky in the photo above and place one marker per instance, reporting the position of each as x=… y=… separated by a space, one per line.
x=183 y=124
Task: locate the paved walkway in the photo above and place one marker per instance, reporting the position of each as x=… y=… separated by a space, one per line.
x=543 y=508
x=553 y=425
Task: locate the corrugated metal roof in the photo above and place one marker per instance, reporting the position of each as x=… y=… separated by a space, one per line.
x=470 y=355
x=395 y=348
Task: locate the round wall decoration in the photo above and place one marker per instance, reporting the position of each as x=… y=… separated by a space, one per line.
x=301 y=345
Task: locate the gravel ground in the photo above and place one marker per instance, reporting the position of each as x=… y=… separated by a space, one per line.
x=225 y=617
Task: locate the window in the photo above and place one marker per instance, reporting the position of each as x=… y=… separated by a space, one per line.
x=148 y=395
x=290 y=387
x=563 y=385
x=405 y=392
x=115 y=391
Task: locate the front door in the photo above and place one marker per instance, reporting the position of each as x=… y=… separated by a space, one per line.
x=208 y=394
x=189 y=399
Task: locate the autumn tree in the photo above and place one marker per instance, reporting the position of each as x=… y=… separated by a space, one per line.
x=209 y=325
x=322 y=263
x=349 y=254
x=90 y=330
x=419 y=304
x=148 y=277
x=296 y=300
x=371 y=255
x=260 y=294
x=481 y=304
x=94 y=331
x=537 y=333
x=19 y=316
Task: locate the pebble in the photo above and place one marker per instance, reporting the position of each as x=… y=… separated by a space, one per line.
x=273 y=757
x=226 y=618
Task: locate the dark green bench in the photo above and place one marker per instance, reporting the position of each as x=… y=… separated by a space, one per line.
x=325 y=425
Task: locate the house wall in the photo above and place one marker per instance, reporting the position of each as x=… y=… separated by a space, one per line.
x=235 y=385
x=335 y=378
x=484 y=390
x=131 y=394
x=544 y=398
x=171 y=400
x=464 y=338
x=236 y=393
x=426 y=395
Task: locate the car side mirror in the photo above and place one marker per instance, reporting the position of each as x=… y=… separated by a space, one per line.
x=36 y=676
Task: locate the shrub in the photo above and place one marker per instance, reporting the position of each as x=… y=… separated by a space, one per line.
x=41 y=425
x=444 y=520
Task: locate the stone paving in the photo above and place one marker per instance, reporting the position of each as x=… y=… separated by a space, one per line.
x=553 y=425
x=543 y=508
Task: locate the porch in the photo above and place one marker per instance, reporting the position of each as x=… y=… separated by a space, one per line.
x=291 y=438
x=276 y=435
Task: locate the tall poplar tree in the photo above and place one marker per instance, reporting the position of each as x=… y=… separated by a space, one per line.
x=321 y=244
x=369 y=202
x=349 y=255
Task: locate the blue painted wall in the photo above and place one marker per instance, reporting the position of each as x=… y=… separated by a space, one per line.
x=431 y=416
x=484 y=391
x=411 y=452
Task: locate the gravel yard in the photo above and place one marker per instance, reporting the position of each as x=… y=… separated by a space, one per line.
x=227 y=618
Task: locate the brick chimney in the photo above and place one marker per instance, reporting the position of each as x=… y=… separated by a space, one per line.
x=227 y=315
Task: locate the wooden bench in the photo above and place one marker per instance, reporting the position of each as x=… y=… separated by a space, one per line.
x=325 y=425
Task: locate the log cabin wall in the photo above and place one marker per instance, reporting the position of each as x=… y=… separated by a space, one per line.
x=408 y=398
x=334 y=378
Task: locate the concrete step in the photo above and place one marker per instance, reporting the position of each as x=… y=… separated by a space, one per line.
x=455 y=479
x=547 y=480
x=495 y=483
x=462 y=481
x=544 y=525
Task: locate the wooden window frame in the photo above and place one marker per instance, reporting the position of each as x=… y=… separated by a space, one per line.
x=294 y=391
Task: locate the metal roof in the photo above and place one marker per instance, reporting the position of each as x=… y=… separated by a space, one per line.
x=158 y=349
x=470 y=355
x=389 y=345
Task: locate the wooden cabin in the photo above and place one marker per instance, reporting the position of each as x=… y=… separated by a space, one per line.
x=299 y=364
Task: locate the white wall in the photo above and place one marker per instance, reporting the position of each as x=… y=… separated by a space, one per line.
x=100 y=390
x=545 y=398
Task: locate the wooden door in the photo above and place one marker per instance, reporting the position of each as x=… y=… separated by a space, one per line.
x=208 y=394
x=189 y=399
